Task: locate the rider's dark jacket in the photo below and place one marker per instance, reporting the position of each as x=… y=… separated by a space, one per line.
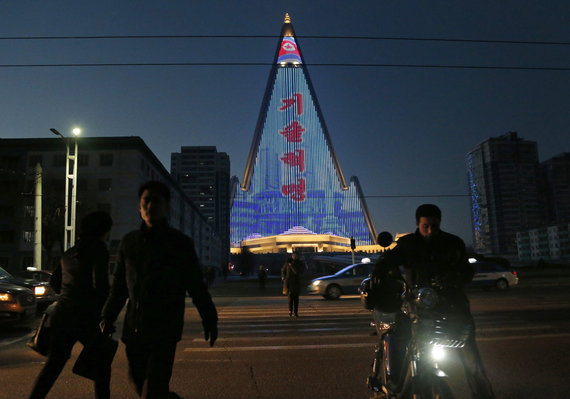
x=442 y=257
x=155 y=269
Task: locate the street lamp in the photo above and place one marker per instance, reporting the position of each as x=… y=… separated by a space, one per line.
x=70 y=204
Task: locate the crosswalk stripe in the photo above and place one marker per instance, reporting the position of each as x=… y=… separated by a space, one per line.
x=278 y=347
x=293 y=338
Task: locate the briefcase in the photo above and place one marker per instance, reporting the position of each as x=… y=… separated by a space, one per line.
x=94 y=361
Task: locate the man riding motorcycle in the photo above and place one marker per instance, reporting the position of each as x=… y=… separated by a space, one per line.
x=432 y=254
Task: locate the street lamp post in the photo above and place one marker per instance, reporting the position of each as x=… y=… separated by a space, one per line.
x=70 y=179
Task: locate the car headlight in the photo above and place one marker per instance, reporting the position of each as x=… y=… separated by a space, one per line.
x=39 y=290
x=316 y=282
x=426 y=298
x=5 y=297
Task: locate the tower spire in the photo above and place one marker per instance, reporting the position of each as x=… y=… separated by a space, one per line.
x=293 y=176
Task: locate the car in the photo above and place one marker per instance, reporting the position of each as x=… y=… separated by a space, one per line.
x=344 y=282
x=492 y=275
x=43 y=292
x=17 y=303
x=31 y=273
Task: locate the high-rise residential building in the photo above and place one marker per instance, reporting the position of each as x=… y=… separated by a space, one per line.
x=293 y=180
x=550 y=239
x=503 y=183
x=555 y=180
x=203 y=174
x=548 y=242
x=110 y=171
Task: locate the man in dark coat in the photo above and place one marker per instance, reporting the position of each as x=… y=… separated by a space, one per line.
x=82 y=282
x=156 y=266
x=291 y=275
x=432 y=253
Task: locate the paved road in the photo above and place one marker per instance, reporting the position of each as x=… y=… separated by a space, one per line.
x=523 y=334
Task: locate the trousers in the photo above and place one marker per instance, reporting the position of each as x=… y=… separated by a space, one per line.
x=62 y=340
x=293 y=303
x=150 y=367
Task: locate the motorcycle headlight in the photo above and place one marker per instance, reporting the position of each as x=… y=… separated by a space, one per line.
x=426 y=297
x=437 y=352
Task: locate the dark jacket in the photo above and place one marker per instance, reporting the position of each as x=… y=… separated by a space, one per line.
x=291 y=275
x=442 y=257
x=155 y=269
x=82 y=282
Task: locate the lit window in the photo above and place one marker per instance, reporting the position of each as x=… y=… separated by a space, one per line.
x=28 y=236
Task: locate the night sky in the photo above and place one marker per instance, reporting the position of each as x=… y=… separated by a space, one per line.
x=404 y=131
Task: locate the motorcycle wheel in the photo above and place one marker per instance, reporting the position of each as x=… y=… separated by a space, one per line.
x=435 y=388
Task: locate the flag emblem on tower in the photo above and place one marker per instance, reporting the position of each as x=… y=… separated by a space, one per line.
x=288 y=51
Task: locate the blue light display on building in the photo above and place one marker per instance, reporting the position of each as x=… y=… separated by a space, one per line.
x=293 y=177
x=475 y=203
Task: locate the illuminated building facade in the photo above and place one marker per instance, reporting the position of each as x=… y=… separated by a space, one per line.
x=293 y=178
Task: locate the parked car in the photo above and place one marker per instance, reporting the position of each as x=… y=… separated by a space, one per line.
x=17 y=303
x=492 y=275
x=31 y=273
x=344 y=282
x=44 y=294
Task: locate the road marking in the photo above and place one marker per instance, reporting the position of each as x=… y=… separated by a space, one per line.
x=347 y=346
x=526 y=337
x=308 y=312
x=280 y=338
x=296 y=330
x=521 y=328
x=290 y=324
x=279 y=347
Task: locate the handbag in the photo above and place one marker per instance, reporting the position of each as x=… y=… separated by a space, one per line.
x=94 y=361
x=39 y=342
x=285 y=291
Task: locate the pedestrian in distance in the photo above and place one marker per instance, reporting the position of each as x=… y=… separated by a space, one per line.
x=82 y=282
x=261 y=277
x=291 y=274
x=156 y=266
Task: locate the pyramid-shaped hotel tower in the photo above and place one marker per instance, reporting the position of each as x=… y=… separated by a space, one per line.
x=292 y=180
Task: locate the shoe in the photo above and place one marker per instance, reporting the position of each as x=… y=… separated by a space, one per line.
x=374 y=384
x=290 y=314
x=296 y=314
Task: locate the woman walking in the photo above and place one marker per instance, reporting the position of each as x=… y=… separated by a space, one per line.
x=82 y=280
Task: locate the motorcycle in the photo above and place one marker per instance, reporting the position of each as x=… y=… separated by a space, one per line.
x=415 y=332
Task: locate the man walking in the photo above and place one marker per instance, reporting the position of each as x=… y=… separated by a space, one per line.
x=291 y=276
x=156 y=266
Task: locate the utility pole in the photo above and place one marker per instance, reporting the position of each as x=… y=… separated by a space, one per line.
x=70 y=179
x=38 y=219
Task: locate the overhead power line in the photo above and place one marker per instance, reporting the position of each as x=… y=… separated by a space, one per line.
x=320 y=37
x=222 y=64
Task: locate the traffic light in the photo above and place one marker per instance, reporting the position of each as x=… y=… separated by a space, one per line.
x=352 y=243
